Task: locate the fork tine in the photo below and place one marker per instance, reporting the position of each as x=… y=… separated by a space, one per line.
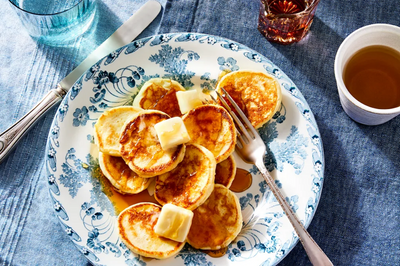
x=239 y=135
x=241 y=114
x=212 y=97
x=242 y=129
x=206 y=101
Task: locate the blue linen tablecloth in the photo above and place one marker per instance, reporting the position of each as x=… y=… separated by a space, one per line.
x=358 y=218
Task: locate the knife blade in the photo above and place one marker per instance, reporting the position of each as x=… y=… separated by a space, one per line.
x=125 y=34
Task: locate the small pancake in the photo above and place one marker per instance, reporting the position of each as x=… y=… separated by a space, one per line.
x=108 y=128
x=225 y=172
x=141 y=149
x=217 y=222
x=258 y=94
x=121 y=176
x=159 y=94
x=212 y=127
x=191 y=182
x=136 y=231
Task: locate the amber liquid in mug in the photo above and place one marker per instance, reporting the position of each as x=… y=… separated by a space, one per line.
x=372 y=76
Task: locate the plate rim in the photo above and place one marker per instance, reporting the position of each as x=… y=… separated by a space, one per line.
x=173 y=35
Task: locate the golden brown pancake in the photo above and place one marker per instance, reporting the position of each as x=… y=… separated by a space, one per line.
x=136 y=231
x=258 y=94
x=108 y=128
x=191 y=182
x=212 y=127
x=217 y=222
x=225 y=172
x=160 y=94
x=121 y=176
x=141 y=149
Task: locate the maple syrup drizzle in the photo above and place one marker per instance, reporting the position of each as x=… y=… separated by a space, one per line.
x=160 y=99
x=216 y=253
x=156 y=156
x=165 y=101
x=243 y=180
x=123 y=201
x=146 y=259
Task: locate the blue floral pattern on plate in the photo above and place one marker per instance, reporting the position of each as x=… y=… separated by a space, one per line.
x=294 y=151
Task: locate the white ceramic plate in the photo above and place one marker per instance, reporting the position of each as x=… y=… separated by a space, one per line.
x=295 y=155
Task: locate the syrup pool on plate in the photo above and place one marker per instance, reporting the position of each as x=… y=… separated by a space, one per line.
x=121 y=201
x=242 y=181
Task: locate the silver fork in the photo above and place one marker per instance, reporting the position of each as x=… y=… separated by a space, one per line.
x=252 y=149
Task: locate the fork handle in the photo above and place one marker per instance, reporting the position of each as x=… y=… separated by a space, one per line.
x=314 y=252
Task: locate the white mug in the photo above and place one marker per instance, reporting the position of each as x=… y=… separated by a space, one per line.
x=375 y=34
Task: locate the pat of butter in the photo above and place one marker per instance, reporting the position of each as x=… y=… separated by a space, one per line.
x=188 y=100
x=171 y=132
x=174 y=222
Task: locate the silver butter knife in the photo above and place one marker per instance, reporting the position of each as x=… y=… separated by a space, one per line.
x=122 y=36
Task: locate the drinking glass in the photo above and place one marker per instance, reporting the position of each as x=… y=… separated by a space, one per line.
x=286 y=21
x=55 y=21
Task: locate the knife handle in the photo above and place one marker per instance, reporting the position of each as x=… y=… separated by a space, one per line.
x=14 y=133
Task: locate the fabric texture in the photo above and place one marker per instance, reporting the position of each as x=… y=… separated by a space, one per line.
x=30 y=233
x=358 y=218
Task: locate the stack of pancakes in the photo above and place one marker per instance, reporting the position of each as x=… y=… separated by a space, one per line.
x=195 y=175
